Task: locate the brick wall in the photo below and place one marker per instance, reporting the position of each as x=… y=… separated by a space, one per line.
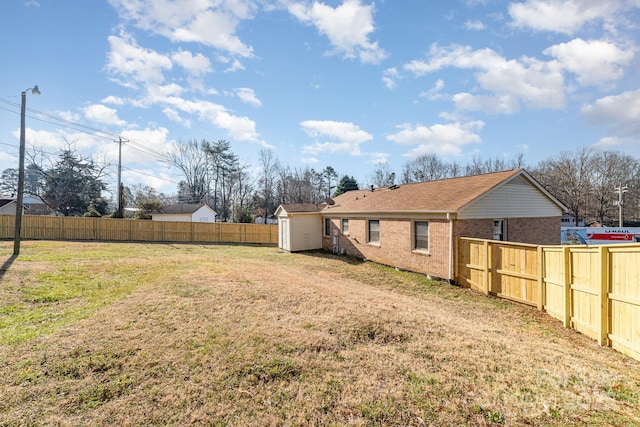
x=396 y=240
x=396 y=245
x=537 y=231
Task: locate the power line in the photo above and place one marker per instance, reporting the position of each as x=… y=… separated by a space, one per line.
x=68 y=124
x=59 y=121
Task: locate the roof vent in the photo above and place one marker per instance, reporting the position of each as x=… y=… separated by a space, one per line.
x=372 y=188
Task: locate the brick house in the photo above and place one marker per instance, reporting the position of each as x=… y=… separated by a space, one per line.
x=415 y=226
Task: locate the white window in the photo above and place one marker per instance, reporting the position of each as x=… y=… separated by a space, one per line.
x=373 y=235
x=421 y=235
x=345 y=226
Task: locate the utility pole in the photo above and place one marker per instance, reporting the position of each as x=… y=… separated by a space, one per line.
x=20 y=196
x=120 y=212
x=620 y=190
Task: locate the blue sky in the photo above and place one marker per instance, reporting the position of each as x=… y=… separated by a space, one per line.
x=347 y=84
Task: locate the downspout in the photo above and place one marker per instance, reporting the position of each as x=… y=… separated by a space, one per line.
x=451 y=242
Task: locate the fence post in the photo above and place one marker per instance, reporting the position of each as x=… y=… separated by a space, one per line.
x=541 y=288
x=605 y=279
x=567 y=286
x=486 y=268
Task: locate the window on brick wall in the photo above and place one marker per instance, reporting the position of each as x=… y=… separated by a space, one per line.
x=373 y=231
x=499 y=229
x=345 y=226
x=421 y=235
x=327 y=227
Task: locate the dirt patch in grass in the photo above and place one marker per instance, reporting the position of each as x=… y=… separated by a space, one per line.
x=135 y=334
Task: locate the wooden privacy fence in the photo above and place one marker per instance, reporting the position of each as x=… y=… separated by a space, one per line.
x=110 y=229
x=592 y=289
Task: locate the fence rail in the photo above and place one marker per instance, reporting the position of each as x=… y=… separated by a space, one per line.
x=110 y=229
x=592 y=289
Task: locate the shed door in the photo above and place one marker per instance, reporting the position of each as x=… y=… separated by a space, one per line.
x=284 y=235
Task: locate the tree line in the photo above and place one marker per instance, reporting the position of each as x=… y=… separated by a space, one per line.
x=211 y=173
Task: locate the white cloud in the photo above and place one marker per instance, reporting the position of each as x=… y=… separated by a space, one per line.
x=248 y=96
x=144 y=66
x=445 y=139
x=145 y=146
x=390 y=76
x=434 y=92
x=196 y=65
x=114 y=100
x=594 y=62
x=347 y=26
x=563 y=16
x=236 y=65
x=309 y=160
x=528 y=81
x=379 y=158
x=492 y=104
x=474 y=25
x=619 y=112
x=51 y=142
x=210 y=22
x=103 y=114
x=175 y=116
x=128 y=60
x=614 y=143
x=348 y=135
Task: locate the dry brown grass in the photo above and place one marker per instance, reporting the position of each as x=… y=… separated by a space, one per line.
x=133 y=334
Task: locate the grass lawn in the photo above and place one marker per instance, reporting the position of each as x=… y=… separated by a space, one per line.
x=172 y=334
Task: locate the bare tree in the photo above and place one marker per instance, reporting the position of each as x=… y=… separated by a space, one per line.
x=264 y=196
x=569 y=177
x=427 y=167
x=191 y=160
x=382 y=175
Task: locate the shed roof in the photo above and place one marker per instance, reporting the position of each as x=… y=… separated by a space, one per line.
x=446 y=195
x=180 y=208
x=302 y=207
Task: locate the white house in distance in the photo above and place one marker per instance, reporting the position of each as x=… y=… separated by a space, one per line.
x=8 y=207
x=185 y=213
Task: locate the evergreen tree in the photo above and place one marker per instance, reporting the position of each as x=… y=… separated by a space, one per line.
x=347 y=183
x=73 y=185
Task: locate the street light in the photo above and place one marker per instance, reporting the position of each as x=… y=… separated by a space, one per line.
x=16 y=241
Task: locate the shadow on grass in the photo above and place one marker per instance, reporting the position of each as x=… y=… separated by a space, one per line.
x=6 y=265
x=319 y=253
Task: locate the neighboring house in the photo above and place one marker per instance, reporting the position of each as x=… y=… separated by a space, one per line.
x=415 y=226
x=569 y=220
x=271 y=219
x=185 y=212
x=36 y=206
x=8 y=207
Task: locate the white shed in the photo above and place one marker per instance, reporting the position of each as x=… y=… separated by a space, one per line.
x=185 y=212
x=299 y=227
